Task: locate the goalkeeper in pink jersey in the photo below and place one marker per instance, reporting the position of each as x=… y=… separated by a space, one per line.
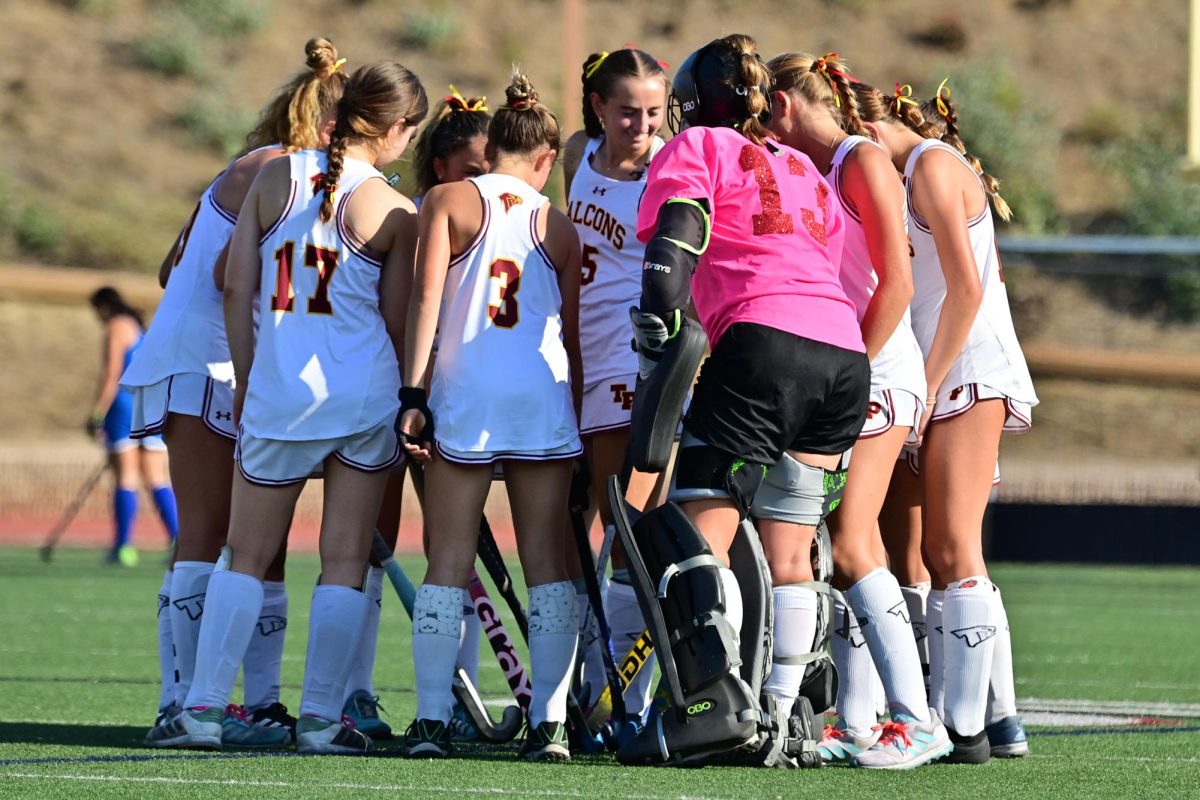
x=747 y=230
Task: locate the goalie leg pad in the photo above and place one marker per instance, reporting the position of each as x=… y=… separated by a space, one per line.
x=798 y=493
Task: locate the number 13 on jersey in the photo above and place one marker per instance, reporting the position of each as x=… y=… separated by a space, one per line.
x=503 y=282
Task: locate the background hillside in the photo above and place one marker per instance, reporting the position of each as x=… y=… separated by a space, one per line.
x=117 y=112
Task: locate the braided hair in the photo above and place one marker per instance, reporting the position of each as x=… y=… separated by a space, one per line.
x=941 y=115
x=757 y=79
x=825 y=80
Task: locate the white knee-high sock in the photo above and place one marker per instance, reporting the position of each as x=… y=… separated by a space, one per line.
x=855 y=669
x=917 y=598
x=969 y=637
x=188 y=587
x=733 y=599
x=264 y=657
x=231 y=611
x=883 y=618
x=794 y=635
x=166 y=646
x=937 y=652
x=437 y=624
x=625 y=619
x=363 y=664
x=589 y=644
x=553 y=635
x=468 y=645
x=334 y=630
x=1002 y=693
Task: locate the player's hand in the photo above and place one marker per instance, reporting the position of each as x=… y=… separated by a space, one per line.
x=414 y=424
x=923 y=423
x=650 y=337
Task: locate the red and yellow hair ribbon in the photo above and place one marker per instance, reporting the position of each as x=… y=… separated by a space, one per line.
x=459 y=103
x=821 y=65
x=903 y=95
x=942 y=108
x=337 y=66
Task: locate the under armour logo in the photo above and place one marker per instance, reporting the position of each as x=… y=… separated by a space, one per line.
x=225 y=415
x=193 y=606
x=900 y=610
x=976 y=634
x=272 y=623
x=163 y=600
x=600 y=190
x=622 y=395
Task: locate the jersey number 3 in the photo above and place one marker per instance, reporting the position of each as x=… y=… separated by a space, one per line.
x=324 y=261
x=505 y=312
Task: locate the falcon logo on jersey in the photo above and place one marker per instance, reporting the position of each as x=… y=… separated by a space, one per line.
x=193 y=606
x=272 y=623
x=509 y=199
x=900 y=610
x=319 y=183
x=622 y=395
x=976 y=634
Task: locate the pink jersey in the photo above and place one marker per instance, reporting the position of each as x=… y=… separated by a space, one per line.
x=776 y=241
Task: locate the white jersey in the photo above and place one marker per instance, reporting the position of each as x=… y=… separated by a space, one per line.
x=605 y=215
x=324 y=365
x=187 y=334
x=501 y=381
x=991 y=356
x=899 y=363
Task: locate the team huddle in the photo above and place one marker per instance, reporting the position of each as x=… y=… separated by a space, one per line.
x=814 y=545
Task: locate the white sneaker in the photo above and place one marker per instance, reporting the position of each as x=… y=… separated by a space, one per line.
x=198 y=729
x=840 y=746
x=317 y=735
x=906 y=742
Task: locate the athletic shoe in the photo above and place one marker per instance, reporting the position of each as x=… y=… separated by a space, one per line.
x=198 y=728
x=1006 y=738
x=462 y=729
x=546 y=742
x=968 y=749
x=840 y=746
x=427 y=738
x=238 y=729
x=364 y=709
x=275 y=716
x=321 y=736
x=906 y=742
x=167 y=712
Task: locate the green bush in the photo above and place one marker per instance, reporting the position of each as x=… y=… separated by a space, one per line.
x=1160 y=200
x=213 y=121
x=173 y=47
x=1014 y=133
x=429 y=29
x=1182 y=291
x=38 y=231
x=228 y=18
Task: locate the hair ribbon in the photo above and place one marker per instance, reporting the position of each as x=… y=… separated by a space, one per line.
x=460 y=103
x=942 y=108
x=592 y=68
x=337 y=66
x=821 y=65
x=903 y=95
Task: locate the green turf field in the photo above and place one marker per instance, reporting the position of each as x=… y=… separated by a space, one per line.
x=1096 y=649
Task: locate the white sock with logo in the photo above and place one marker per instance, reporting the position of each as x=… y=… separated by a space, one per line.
x=1002 y=693
x=360 y=678
x=334 y=630
x=969 y=637
x=189 y=584
x=794 y=634
x=468 y=645
x=855 y=669
x=264 y=657
x=230 y=613
x=437 y=625
x=917 y=598
x=937 y=652
x=553 y=636
x=166 y=647
x=883 y=618
x=594 y=676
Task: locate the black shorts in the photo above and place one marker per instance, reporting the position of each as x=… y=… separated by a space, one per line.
x=764 y=391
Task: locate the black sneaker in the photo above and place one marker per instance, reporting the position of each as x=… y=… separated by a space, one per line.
x=546 y=742
x=968 y=749
x=275 y=716
x=427 y=738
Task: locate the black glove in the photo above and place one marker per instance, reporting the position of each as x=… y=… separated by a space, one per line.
x=413 y=398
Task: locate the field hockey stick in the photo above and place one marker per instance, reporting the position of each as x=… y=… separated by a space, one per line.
x=46 y=551
x=464 y=690
x=489 y=618
x=616 y=696
x=630 y=667
x=493 y=562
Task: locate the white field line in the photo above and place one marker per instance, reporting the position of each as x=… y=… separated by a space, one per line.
x=365 y=787
x=1132 y=707
x=1132 y=759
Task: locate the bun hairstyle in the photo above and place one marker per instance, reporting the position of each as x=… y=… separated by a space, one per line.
x=602 y=71
x=823 y=80
x=376 y=97
x=941 y=115
x=458 y=120
x=523 y=124
x=293 y=117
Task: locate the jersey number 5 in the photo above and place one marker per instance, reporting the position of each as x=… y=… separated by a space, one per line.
x=505 y=312
x=589 y=265
x=324 y=261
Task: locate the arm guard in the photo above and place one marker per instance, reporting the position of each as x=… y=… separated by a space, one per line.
x=671 y=257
